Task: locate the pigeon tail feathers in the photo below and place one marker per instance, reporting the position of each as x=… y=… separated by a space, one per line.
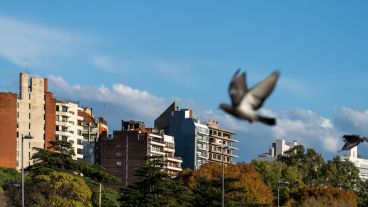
x=267 y=120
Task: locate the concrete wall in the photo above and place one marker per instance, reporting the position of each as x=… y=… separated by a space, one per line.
x=31 y=116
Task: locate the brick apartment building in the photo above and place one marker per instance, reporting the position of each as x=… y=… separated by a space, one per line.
x=125 y=152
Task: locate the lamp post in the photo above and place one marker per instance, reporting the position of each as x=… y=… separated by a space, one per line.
x=223 y=176
x=23 y=138
x=278 y=190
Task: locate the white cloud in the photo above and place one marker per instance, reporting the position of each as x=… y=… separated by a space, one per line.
x=307 y=127
x=127 y=100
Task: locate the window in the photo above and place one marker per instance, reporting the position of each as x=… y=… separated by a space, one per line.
x=57 y=108
x=118 y=162
x=118 y=154
x=156 y=148
x=64 y=128
x=79 y=151
x=79 y=141
x=64 y=118
x=64 y=109
x=64 y=138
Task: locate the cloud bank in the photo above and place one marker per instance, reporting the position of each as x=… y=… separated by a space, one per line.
x=305 y=126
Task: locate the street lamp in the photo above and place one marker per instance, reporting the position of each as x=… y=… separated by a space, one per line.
x=223 y=175
x=23 y=138
x=278 y=190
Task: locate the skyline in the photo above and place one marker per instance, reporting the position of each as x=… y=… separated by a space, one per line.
x=131 y=54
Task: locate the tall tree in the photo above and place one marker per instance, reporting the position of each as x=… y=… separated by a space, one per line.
x=245 y=185
x=59 y=156
x=155 y=188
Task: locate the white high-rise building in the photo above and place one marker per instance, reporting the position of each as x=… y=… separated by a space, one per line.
x=361 y=164
x=277 y=149
x=68 y=127
x=35 y=117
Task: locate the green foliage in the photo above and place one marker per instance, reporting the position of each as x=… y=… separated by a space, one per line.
x=60 y=157
x=155 y=188
x=54 y=189
x=56 y=179
x=9 y=176
x=110 y=198
x=306 y=169
x=208 y=192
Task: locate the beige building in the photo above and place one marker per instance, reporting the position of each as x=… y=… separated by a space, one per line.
x=35 y=117
x=173 y=164
x=221 y=143
x=68 y=127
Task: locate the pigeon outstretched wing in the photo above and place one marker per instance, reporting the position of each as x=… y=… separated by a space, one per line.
x=237 y=87
x=262 y=90
x=352 y=141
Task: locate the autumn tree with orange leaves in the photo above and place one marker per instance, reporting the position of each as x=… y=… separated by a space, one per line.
x=243 y=185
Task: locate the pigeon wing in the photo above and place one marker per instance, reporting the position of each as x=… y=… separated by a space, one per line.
x=237 y=87
x=262 y=90
x=351 y=141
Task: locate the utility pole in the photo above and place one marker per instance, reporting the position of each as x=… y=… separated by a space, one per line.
x=100 y=196
x=126 y=160
x=23 y=137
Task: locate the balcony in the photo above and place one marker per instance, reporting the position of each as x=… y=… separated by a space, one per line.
x=174 y=159
x=174 y=168
x=158 y=143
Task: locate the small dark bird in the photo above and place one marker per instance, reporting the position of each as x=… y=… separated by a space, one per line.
x=245 y=102
x=352 y=141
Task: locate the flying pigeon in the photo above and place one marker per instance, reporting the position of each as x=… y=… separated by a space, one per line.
x=352 y=141
x=245 y=102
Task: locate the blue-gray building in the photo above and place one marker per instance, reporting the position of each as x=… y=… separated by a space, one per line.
x=191 y=136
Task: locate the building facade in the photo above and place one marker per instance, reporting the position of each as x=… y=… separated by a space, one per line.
x=361 y=164
x=35 y=117
x=277 y=149
x=126 y=151
x=221 y=143
x=68 y=127
x=8 y=130
x=92 y=128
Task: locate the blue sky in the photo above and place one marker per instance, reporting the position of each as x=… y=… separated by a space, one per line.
x=137 y=57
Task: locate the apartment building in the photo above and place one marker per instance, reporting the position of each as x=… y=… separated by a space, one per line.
x=360 y=163
x=197 y=143
x=221 y=143
x=125 y=151
x=68 y=127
